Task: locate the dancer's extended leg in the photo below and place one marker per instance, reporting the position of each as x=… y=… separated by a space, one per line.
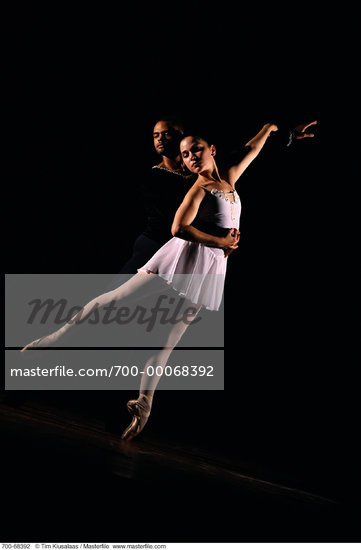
x=140 y=281
x=140 y=408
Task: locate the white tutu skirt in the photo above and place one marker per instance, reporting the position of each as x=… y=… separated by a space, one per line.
x=194 y=270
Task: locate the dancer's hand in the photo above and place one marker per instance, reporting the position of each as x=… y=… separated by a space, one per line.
x=299 y=132
x=231 y=241
x=272 y=128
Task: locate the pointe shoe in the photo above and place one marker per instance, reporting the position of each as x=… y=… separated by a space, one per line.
x=32 y=345
x=140 y=410
x=36 y=349
x=47 y=341
x=36 y=346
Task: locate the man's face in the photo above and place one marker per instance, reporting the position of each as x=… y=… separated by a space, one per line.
x=166 y=138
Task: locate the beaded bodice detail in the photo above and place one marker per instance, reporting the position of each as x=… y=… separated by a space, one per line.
x=220 y=208
x=223 y=195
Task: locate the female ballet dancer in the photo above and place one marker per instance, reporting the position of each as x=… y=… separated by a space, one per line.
x=212 y=200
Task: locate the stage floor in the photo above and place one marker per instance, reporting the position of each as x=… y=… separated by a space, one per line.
x=69 y=477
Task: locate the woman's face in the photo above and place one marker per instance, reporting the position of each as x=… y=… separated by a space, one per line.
x=197 y=155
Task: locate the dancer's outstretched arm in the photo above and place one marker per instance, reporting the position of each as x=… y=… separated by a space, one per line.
x=286 y=137
x=252 y=149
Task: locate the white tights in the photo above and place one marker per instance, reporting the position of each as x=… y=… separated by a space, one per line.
x=139 y=283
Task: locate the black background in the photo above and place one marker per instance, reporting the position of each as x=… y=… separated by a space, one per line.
x=84 y=91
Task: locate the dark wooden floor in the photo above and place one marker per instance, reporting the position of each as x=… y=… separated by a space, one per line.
x=69 y=477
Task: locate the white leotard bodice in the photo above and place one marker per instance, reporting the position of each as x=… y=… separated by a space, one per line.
x=220 y=208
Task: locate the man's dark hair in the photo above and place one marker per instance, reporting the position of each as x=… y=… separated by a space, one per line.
x=172 y=119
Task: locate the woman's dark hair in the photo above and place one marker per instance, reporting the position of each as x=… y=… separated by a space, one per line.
x=205 y=136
